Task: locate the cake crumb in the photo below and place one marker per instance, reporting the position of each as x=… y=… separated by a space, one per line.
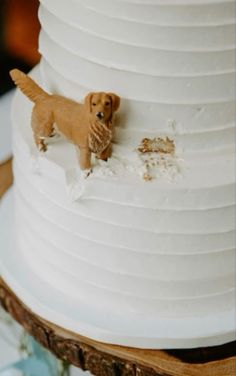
x=157 y=145
x=147 y=177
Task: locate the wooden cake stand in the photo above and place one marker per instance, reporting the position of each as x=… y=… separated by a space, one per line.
x=109 y=360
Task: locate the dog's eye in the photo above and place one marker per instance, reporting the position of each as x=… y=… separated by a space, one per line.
x=107 y=103
x=93 y=104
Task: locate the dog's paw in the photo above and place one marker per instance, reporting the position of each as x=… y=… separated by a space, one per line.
x=85 y=173
x=42 y=148
x=102 y=158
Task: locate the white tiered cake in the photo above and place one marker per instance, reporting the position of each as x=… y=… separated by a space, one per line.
x=114 y=257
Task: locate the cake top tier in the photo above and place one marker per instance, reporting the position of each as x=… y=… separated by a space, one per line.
x=172 y=62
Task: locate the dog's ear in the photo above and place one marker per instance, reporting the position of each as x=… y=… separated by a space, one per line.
x=88 y=101
x=115 y=101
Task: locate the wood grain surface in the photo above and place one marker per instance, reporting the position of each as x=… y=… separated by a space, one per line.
x=109 y=360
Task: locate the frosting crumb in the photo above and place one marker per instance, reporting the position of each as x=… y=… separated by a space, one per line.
x=157 y=145
x=158 y=153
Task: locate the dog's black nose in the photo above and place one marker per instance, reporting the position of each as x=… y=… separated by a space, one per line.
x=100 y=115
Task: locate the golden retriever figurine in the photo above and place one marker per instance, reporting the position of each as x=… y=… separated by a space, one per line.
x=88 y=125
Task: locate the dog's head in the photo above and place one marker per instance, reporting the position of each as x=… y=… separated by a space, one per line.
x=101 y=106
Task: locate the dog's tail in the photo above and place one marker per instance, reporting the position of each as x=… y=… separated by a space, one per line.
x=28 y=86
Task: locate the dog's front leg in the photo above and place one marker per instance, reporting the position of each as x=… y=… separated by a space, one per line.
x=84 y=155
x=105 y=154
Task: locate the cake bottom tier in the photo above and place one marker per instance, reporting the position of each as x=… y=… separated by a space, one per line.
x=91 y=320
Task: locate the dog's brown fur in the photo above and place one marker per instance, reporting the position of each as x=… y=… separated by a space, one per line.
x=88 y=125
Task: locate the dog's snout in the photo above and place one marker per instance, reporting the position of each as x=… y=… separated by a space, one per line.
x=100 y=115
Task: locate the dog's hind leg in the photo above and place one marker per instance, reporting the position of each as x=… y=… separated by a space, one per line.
x=40 y=142
x=42 y=126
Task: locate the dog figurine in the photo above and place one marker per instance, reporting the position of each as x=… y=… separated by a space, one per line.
x=88 y=126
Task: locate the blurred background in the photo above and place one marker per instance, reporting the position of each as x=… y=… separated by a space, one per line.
x=19 y=29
